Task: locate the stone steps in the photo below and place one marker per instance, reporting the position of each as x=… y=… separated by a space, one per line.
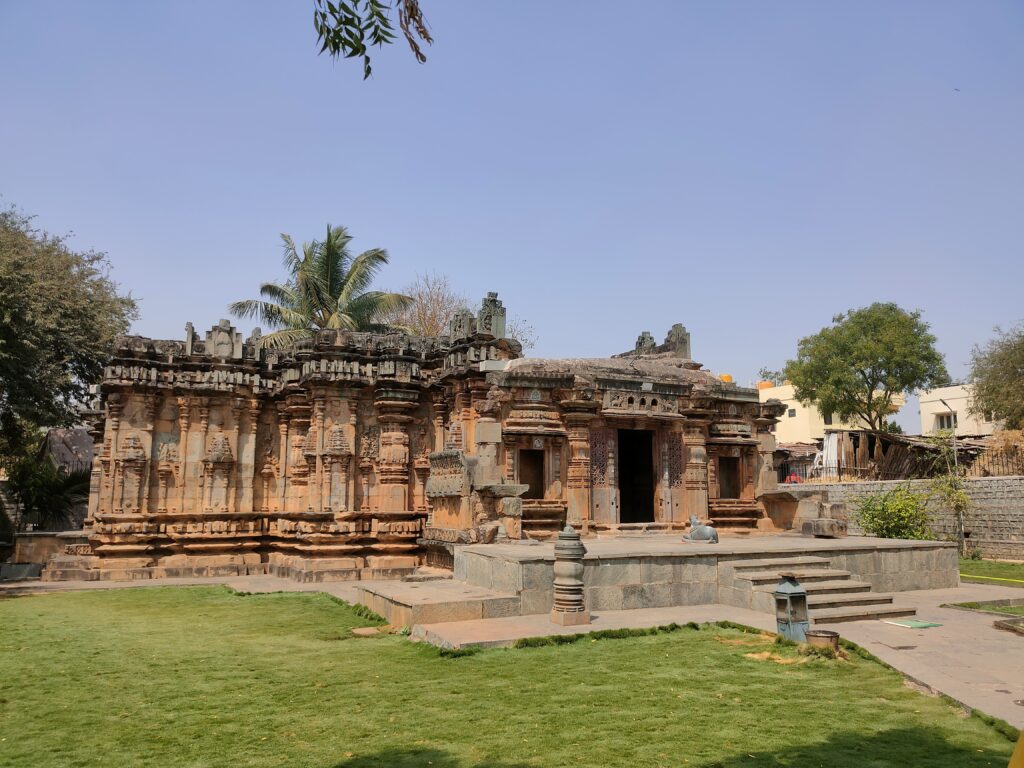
x=759 y=578
x=827 y=587
x=817 y=603
x=804 y=562
x=832 y=596
x=859 y=613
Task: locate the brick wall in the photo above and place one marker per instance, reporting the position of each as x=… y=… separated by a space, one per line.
x=994 y=523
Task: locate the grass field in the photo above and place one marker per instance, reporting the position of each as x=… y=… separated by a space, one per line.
x=206 y=677
x=992 y=572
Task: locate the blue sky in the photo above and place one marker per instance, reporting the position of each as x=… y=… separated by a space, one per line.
x=746 y=168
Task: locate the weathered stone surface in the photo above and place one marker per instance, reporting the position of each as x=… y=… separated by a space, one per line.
x=824 y=527
x=216 y=454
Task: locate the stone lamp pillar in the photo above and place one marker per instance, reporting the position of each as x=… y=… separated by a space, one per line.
x=569 y=609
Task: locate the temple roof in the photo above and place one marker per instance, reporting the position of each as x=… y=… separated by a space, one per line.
x=665 y=368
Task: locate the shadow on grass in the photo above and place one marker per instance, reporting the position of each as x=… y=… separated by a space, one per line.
x=897 y=747
x=420 y=758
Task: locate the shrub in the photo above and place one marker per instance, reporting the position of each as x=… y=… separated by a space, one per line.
x=896 y=514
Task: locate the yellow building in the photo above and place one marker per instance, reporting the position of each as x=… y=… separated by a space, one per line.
x=805 y=423
x=937 y=415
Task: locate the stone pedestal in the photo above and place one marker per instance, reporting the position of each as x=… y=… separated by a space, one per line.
x=569 y=606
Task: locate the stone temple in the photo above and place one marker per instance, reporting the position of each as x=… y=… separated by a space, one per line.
x=358 y=455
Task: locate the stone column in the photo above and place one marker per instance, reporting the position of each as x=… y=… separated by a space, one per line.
x=115 y=405
x=247 y=457
x=152 y=404
x=283 y=450
x=206 y=478
x=317 y=480
x=579 y=481
x=393 y=415
x=184 y=420
x=237 y=406
x=696 y=469
x=569 y=607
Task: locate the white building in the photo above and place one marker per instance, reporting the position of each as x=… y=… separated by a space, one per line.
x=805 y=423
x=937 y=415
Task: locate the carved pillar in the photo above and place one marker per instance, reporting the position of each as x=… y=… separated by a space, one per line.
x=115 y=405
x=569 y=607
x=440 y=411
x=579 y=481
x=247 y=457
x=317 y=481
x=237 y=406
x=184 y=419
x=393 y=414
x=152 y=403
x=365 y=468
x=283 y=452
x=205 y=479
x=696 y=469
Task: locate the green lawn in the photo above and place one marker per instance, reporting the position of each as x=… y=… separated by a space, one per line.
x=205 y=677
x=1013 y=610
x=993 y=572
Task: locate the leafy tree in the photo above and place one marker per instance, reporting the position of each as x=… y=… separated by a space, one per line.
x=348 y=29
x=48 y=494
x=60 y=314
x=855 y=367
x=997 y=373
x=327 y=287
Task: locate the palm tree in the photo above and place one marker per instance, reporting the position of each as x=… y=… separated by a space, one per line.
x=327 y=287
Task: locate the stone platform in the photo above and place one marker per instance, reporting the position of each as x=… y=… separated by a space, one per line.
x=846 y=579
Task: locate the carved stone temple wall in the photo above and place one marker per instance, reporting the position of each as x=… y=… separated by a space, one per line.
x=358 y=455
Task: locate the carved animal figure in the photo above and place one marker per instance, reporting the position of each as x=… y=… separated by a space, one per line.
x=701 y=532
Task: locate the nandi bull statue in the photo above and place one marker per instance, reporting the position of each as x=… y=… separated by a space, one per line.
x=700 y=531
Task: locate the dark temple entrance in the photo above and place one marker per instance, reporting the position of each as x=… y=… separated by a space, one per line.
x=636 y=476
x=531 y=473
x=728 y=477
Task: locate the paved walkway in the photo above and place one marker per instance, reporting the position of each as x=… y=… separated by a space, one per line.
x=966 y=658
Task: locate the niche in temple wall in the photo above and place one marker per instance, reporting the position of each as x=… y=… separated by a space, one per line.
x=219 y=464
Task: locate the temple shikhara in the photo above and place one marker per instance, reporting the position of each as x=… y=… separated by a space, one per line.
x=357 y=456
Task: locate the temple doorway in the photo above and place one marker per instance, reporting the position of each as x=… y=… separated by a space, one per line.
x=531 y=472
x=636 y=476
x=728 y=477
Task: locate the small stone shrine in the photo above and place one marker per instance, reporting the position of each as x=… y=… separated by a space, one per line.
x=358 y=455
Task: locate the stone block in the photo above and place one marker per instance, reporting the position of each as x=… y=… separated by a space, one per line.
x=460 y=569
x=570 y=618
x=696 y=593
x=658 y=595
x=500 y=607
x=478 y=571
x=693 y=569
x=387 y=561
x=657 y=570
x=456 y=610
x=632 y=596
x=540 y=574
x=535 y=601
x=824 y=527
x=611 y=572
x=506 y=576
x=604 y=598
